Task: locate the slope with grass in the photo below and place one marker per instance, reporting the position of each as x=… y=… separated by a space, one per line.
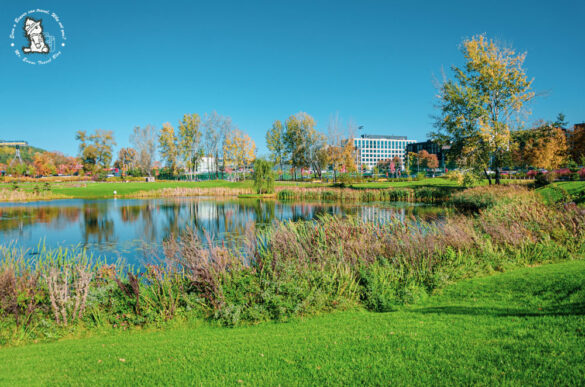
x=522 y=327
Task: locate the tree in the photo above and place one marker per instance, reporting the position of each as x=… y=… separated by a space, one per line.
x=561 y=121
x=190 y=141
x=44 y=164
x=216 y=129
x=263 y=177
x=477 y=107
x=144 y=141
x=126 y=160
x=340 y=146
x=169 y=149
x=542 y=147
x=577 y=144
x=95 y=150
x=321 y=160
x=301 y=141
x=275 y=142
x=239 y=150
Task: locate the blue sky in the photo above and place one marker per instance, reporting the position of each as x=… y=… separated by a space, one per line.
x=139 y=62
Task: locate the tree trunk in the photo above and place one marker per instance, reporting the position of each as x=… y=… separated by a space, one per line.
x=487 y=176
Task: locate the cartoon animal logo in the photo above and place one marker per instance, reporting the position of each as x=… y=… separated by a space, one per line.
x=33 y=30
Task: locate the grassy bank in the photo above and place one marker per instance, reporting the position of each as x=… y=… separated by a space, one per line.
x=524 y=327
x=286 y=271
x=427 y=190
x=102 y=190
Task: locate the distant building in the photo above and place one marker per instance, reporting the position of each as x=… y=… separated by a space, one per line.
x=13 y=143
x=431 y=147
x=374 y=148
x=206 y=165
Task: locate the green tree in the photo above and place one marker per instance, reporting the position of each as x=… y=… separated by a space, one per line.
x=477 y=107
x=95 y=150
x=263 y=177
x=301 y=140
x=190 y=141
x=276 y=144
x=561 y=121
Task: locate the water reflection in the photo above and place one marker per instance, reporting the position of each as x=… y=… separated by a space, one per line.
x=121 y=227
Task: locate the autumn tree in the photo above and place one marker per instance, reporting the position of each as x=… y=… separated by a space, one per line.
x=239 y=150
x=168 y=147
x=95 y=151
x=478 y=105
x=126 y=160
x=190 y=148
x=44 y=164
x=340 y=146
x=275 y=142
x=542 y=147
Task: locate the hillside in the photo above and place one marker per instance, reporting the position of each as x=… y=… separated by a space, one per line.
x=26 y=153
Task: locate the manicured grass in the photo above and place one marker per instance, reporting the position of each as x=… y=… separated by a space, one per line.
x=524 y=327
x=553 y=192
x=92 y=190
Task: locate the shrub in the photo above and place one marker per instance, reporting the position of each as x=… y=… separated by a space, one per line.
x=543 y=179
x=469 y=179
x=380 y=282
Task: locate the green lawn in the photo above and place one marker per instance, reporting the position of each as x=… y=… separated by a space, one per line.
x=524 y=327
x=554 y=192
x=93 y=190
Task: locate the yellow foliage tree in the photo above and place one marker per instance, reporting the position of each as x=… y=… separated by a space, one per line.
x=239 y=150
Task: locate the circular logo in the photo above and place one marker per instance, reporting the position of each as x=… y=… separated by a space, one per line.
x=37 y=36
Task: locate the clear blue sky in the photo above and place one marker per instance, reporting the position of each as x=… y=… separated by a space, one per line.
x=133 y=63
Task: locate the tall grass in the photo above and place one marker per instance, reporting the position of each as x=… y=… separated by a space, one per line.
x=185 y=192
x=7 y=195
x=418 y=194
x=289 y=269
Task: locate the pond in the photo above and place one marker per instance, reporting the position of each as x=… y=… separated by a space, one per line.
x=133 y=228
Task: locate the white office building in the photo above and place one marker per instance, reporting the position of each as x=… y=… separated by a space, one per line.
x=373 y=148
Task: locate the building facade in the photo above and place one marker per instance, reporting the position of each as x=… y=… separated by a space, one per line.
x=370 y=149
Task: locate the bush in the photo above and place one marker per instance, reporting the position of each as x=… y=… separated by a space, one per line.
x=380 y=282
x=469 y=179
x=543 y=179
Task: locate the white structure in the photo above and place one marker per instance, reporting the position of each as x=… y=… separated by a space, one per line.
x=206 y=165
x=374 y=148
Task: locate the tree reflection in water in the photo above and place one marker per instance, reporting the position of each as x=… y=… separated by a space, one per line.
x=122 y=227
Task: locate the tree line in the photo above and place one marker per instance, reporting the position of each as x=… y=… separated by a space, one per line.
x=211 y=141
x=298 y=144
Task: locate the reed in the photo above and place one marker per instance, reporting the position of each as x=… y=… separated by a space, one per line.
x=286 y=270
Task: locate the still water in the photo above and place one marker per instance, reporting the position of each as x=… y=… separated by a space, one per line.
x=132 y=228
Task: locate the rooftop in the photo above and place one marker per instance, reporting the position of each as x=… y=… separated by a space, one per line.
x=381 y=136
